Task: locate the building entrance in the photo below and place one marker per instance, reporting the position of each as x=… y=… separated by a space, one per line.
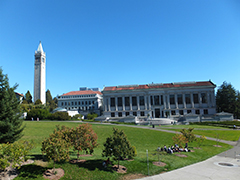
x=157 y=113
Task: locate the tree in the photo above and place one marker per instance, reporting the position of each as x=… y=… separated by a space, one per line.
x=10 y=125
x=226 y=98
x=38 y=113
x=118 y=146
x=38 y=102
x=179 y=139
x=56 y=146
x=28 y=97
x=83 y=138
x=188 y=134
x=48 y=97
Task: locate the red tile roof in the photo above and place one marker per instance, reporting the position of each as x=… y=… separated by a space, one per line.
x=19 y=94
x=156 y=86
x=81 y=93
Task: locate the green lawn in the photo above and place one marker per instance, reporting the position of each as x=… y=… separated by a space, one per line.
x=142 y=139
x=222 y=133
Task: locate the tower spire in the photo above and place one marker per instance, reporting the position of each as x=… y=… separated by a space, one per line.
x=40 y=49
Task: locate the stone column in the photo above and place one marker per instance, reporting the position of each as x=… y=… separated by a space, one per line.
x=130 y=103
x=184 y=101
x=123 y=103
x=213 y=99
x=191 y=95
x=153 y=100
x=160 y=102
x=105 y=104
x=138 y=106
x=176 y=101
x=116 y=104
x=145 y=102
x=200 y=99
x=164 y=101
x=168 y=99
x=149 y=102
x=109 y=107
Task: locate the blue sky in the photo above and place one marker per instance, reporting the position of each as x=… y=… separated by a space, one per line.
x=97 y=43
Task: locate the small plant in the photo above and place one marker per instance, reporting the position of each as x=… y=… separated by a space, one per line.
x=179 y=139
x=200 y=140
x=83 y=138
x=118 y=146
x=188 y=134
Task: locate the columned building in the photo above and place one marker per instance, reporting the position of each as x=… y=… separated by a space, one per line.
x=40 y=75
x=84 y=101
x=160 y=100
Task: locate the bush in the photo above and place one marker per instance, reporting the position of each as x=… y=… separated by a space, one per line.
x=91 y=116
x=38 y=113
x=60 y=116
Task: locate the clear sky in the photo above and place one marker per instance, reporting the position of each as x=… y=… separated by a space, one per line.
x=97 y=43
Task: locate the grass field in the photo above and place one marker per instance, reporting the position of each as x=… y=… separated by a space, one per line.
x=209 y=131
x=142 y=139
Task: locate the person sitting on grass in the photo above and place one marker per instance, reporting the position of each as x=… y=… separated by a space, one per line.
x=105 y=163
x=165 y=148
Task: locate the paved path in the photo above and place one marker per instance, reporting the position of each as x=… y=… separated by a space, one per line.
x=224 y=166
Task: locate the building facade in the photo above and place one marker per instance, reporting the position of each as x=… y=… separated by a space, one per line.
x=40 y=75
x=159 y=100
x=84 y=101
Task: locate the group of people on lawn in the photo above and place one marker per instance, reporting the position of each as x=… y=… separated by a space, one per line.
x=174 y=148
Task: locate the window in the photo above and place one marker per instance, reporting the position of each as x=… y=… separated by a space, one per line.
x=156 y=100
x=72 y=103
x=134 y=101
x=82 y=103
x=120 y=114
x=189 y=111
x=92 y=102
x=112 y=114
x=172 y=99
x=112 y=100
x=127 y=113
x=161 y=99
x=181 y=112
x=75 y=103
x=173 y=112
x=62 y=103
x=187 y=98
x=205 y=111
x=135 y=113
x=197 y=111
x=79 y=103
x=195 y=98
x=179 y=98
x=127 y=102
x=86 y=102
x=119 y=101
x=65 y=103
x=89 y=102
x=204 y=98
x=141 y=100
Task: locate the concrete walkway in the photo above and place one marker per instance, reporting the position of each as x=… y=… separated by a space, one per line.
x=224 y=166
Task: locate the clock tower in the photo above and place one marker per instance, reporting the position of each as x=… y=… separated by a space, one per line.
x=40 y=75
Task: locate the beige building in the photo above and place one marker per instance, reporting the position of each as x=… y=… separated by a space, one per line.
x=159 y=100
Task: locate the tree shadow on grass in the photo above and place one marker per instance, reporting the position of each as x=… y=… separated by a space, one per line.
x=95 y=164
x=31 y=171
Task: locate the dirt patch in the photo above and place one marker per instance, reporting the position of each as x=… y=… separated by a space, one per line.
x=11 y=173
x=197 y=148
x=161 y=164
x=121 y=169
x=132 y=176
x=50 y=174
x=217 y=146
x=180 y=155
x=85 y=155
x=75 y=161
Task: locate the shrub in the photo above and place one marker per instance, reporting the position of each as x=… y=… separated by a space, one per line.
x=38 y=113
x=59 y=116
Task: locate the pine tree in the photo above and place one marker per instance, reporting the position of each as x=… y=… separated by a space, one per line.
x=10 y=124
x=48 y=97
x=28 y=97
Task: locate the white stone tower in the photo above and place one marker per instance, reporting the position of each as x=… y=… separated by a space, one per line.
x=40 y=75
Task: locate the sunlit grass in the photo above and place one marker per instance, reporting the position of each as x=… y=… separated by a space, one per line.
x=142 y=139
